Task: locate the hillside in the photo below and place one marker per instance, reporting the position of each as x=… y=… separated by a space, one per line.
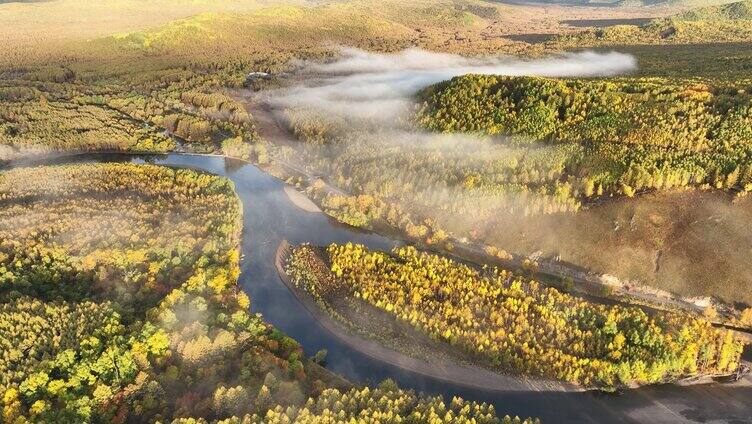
x=246 y=26
x=619 y=137
x=634 y=132
x=732 y=11
x=714 y=24
x=30 y=21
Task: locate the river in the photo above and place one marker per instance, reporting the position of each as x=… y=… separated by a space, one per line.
x=270 y=217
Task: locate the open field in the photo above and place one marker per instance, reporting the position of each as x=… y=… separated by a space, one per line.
x=29 y=22
x=706 y=61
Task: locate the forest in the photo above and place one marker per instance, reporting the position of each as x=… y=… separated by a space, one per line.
x=120 y=303
x=516 y=324
x=386 y=402
x=622 y=136
x=119 y=295
x=166 y=111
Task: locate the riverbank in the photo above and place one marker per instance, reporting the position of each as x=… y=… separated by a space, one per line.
x=301 y=200
x=375 y=320
x=467 y=376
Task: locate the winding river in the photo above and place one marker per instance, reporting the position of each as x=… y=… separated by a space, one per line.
x=270 y=217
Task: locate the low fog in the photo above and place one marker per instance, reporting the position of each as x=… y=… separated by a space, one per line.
x=361 y=103
x=380 y=86
x=365 y=100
